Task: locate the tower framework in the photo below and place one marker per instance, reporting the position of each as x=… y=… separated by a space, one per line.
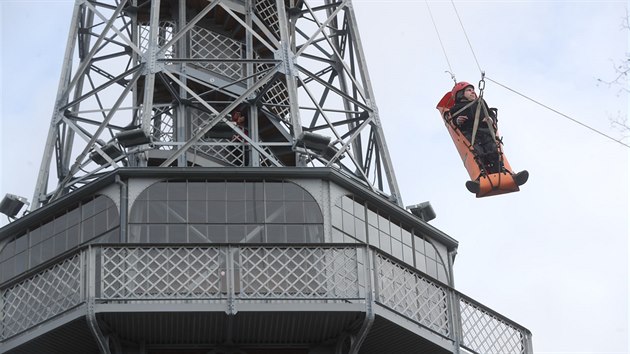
x=160 y=83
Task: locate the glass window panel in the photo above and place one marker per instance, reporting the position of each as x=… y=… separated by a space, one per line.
x=383 y=224
x=60 y=224
x=359 y=229
x=87 y=210
x=177 y=233
x=236 y=233
x=109 y=237
x=406 y=237
x=60 y=243
x=35 y=253
x=337 y=220
x=419 y=245
x=100 y=223
x=7 y=269
x=177 y=191
x=217 y=233
x=198 y=233
x=276 y=234
x=296 y=234
x=47 y=230
x=337 y=236
x=385 y=242
x=139 y=212
x=73 y=217
x=395 y=232
x=137 y=233
x=314 y=233
x=347 y=204
x=359 y=210
x=408 y=254
x=273 y=191
x=430 y=250
x=397 y=250
x=313 y=213
x=113 y=218
x=294 y=212
x=8 y=251
x=254 y=191
x=196 y=191
x=293 y=192
x=441 y=273
x=197 y=211
x=372 y=218
x=255 y=233
x=35 y=236
x=21 y=243
x=87 y=230
x=100 y=203
x=157 y=191
x=157 y=234
x=236 y=212
x=177 y=211
x=48 y=249
x=432 y=268
x=216 y=211
x=254 y=211
x=216 y=190
x=235 y=190
x=74 y=237
x=21 y=262
x=421 y=262
x=275 y=212
x=373 y=236
x=157 y=212
x=348 y=223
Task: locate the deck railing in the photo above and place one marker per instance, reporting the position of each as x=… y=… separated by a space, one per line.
x=235 y=274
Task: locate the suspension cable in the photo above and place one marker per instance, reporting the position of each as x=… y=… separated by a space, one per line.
x=560 y=113
x=450 y=68
x=466 y=35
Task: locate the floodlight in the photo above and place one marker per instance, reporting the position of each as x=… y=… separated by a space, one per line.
x=133 y=137
x=423 y=210
x=11 y=204
x=110 y=150
x=311 y=141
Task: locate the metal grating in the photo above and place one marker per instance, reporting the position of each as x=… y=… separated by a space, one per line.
x=229 y=150
x=165 y=34
x=41 y=297
x=412 y=295
x=155 y=273
x=486 y=333
x=298 y=273
x=205 y=44
x=267 y=12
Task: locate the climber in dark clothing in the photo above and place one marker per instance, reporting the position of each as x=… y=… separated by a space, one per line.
x=463 y=116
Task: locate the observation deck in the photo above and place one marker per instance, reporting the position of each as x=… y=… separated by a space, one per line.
x=236 y=260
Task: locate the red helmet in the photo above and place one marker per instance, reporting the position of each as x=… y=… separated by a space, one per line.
x=460 y=86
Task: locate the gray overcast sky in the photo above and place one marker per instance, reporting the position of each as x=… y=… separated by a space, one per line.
x=553 y=257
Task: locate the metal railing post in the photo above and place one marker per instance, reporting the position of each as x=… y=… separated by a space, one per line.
x=456 y=321
x=90 y=278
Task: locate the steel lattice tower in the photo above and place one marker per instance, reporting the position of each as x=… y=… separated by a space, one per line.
x=156 y=83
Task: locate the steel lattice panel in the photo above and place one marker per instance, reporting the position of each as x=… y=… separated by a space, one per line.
x=487 y=334
x=41 y=297
x=299 y=273
x=155 y=273
x=412 y=295
x=210 y=45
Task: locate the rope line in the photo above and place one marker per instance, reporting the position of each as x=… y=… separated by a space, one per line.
x=561 y=114
x=466 y=35
x=450 y=68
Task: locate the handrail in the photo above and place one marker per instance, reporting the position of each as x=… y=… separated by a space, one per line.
x=244 y=272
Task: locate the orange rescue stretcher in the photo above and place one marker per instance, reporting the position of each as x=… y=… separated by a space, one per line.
x=489 y=183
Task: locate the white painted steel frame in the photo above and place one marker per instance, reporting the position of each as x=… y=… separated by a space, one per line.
x=316 y=81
